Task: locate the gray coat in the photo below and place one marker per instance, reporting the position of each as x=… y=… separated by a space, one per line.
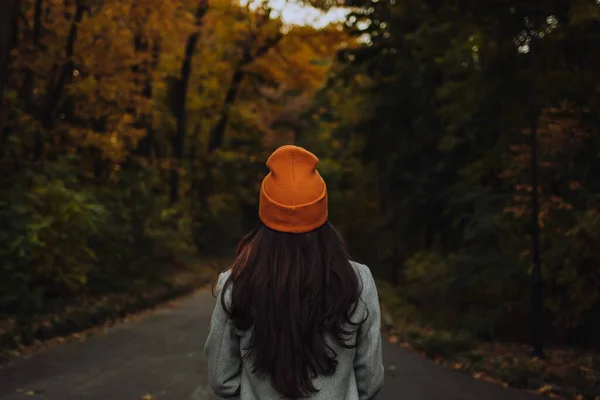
x=359 y=373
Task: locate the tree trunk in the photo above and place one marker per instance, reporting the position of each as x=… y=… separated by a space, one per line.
x=26 y=92
x=537 y=299
x=8 y=19
x=56 y=86
x=217 y=134
x=144 y=147
x=178 y=140
x=204 y=186
x=143 y=72
x=8 y=22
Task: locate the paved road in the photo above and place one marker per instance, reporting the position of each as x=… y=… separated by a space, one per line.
x=161 y=355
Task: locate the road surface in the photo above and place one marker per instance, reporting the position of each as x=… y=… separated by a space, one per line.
x=162 y=355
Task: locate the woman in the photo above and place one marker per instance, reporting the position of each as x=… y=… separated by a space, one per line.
x=294 y=317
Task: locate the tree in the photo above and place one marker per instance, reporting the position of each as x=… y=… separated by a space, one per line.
x=178 y=140
x=115 y=98
x=7 y=37
x=450 y=89
x=8 y=18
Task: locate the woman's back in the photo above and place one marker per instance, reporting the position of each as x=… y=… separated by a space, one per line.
x=359 y=373
x=294 y=317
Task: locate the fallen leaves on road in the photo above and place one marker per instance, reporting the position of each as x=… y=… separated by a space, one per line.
x=548 y=388
x=457 y=365
x=147 y=397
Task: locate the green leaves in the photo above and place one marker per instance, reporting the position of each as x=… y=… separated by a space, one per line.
x=440 y=133
x=61 y=222
x=46 y=239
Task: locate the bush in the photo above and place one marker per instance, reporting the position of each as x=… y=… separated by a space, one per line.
x=143 y=231
x=427 y=278
x=60 y=238
x=394 y=303
x=573 y=282
x=480 y=294
x=44 y=244
x=60 y=226
x=429 y=285
x=443 y=343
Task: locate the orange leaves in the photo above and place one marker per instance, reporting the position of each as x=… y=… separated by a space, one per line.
x=114 y=144
x=523 y=187
x=104 y=92
x=127 y=55
x=302 y=59
x=559 y=203
x=517 y=212
x=521 y=206
x=560 y=137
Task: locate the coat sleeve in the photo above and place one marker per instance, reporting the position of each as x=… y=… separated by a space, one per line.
x=368 y=363
x=222 y=350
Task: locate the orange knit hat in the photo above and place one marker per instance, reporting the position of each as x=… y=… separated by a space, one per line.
x=293 y=196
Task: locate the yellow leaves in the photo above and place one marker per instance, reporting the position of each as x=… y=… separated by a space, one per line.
x=114 y=58
x=114 y=144
x=545 y=389
x=301 y=60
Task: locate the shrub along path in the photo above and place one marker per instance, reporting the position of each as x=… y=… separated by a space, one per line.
x=160 y=356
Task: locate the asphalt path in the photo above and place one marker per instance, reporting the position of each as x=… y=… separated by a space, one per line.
x=161 y=355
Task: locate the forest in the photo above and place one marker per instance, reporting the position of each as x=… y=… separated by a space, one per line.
x=459 y=141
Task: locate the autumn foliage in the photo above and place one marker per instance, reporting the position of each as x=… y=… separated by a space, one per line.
x=132 y=132
x=135 y=131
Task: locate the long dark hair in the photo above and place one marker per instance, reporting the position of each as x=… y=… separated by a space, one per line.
x=293 y=290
